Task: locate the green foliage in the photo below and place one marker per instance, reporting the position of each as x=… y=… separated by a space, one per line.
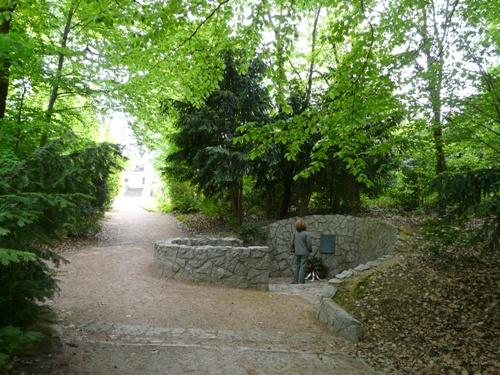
x=12 y=339
x=182 y=196
x=470 y=192
x=63 y=199
x=385 y=95
x=204 y=151
x=215 y=208
x=252 y=233
x=23 y=285
x=459 y=238
x=473 y=193
x=8 y=256
x=59 y=190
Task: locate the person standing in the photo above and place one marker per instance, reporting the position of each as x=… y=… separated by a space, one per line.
x=301 y=246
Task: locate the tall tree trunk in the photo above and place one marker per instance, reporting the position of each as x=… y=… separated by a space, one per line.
x=6 y=14
x=311 y=63
x=305 y=197
x=19 y=134
x=55 y=86
x=287 y=193
x=279 y=40
x=237 y=201
x=333 y=194
x=435 y=84
x=434 y=33
x=353 y=194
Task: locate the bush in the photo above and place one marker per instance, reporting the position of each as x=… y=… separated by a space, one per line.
x=182 y=196
x=474 y=192
x=214 y=208
x=12 y=339
x=252 y=233
x=59 y=190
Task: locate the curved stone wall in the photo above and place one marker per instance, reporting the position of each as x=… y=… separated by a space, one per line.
x=358 y=240
x=214 y=260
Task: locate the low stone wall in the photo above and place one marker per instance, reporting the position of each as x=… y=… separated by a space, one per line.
x=214 y=260
x=358 y=240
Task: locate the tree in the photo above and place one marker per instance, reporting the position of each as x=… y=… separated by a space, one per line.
x=204 y=138
x=351 y=110
x=5 y=19
x=437 y=46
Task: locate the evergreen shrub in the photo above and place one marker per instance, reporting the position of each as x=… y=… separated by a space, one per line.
x=54 y=192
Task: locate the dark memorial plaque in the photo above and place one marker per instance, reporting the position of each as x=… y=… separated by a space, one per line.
x=327 y=243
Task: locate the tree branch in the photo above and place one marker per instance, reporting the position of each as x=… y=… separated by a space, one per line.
x=367 y=58
x=488 y=145
x=313 y=55
x=294 y=69
x=200 y=25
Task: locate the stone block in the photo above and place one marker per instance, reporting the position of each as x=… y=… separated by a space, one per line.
x=258 y=277
x=328 y=292
x=197 y=262
x=345 y=274
x=285 y=264
x=351 y=255
x=362 y=267
x=241 y=269
x=180 y=262
x=257 y=254
x=206 y=268
x=218 y=261
x=221 y=273
x=340 y=320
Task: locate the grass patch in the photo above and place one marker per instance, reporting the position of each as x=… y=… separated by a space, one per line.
x=361 y=288
x=352 y=290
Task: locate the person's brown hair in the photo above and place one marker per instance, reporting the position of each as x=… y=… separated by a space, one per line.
x=300 y=225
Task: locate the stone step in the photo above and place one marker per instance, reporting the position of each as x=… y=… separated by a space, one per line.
x=168 y=333
x=226 y=359
x=143 y=335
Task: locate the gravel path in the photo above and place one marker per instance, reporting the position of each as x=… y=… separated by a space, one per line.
x=117 y=316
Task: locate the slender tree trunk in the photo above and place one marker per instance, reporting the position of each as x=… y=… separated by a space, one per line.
x=313 y=56
x=237 y=199
x=305 y=198
x=19 y=135
x=55 y=86
x=333 y=195
x=279 y=35
x=353 y=194
x=287 y=194
x=435 y=83
x=6 y=14
x=434 y=78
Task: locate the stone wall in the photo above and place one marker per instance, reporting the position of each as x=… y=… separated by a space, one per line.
x=358 y=240
x=214 y=260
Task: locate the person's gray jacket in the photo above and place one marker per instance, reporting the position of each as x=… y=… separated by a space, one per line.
x=301 y=243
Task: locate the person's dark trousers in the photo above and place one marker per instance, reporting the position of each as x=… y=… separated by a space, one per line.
x=299 y=273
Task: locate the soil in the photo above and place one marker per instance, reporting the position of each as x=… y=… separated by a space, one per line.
x=118 y=316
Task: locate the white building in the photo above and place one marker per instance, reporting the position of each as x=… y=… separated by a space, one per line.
x=139 y=177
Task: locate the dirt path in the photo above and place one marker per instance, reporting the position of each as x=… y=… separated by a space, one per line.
x=117 y=316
